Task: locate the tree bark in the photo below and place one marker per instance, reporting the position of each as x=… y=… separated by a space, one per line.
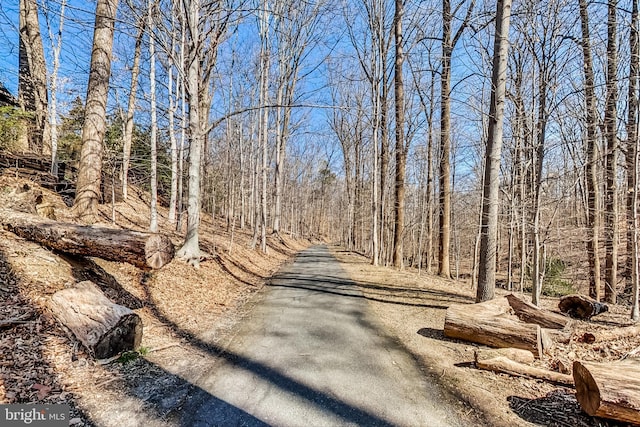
x=611 y=134
x=153 y=220
x=144 y=250
x=131 y=108
x=32 y=79
x=529 y=313
x=505 y=365
x=88 y=192
x=444 y=241
x=491 y=190
x=401 y=149
x=610 y=389
x=593 y=189
x=490 y=324
x=103 y=327
x=633 y=163
x=515 y=354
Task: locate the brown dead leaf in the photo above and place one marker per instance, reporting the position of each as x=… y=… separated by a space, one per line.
x=43 y=390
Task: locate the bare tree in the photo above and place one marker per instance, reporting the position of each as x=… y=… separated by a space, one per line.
x=401 y=148
x=611 y=135
x=593 y=191
x=128 y=130
x=633 y=164
x=56 y=46
x=449 y=42
x=88 y=192
x=32 y=79
x=153 y=223
x=491 y=190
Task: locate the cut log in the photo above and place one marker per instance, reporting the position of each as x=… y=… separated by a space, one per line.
x=529 y=313
x=515 y=354
x=611 y=334
x=581 y=307
x=490 y=324
x=610 y=389
x=144 y=250
x=504 y=365
x=103 y=327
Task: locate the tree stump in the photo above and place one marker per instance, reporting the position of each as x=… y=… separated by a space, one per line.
x=610 y=389
x=103 y=327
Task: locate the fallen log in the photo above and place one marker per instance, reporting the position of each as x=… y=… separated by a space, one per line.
x=103 y=327
x=581 y=307
x=610 y=335
x=529 y=313
x=610 y=389
x=515 y=354
x=144 y=250
x=490 y=324
x=505 y=365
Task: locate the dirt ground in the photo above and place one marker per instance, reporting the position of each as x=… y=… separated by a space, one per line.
x=413 y=306
x=188 y=314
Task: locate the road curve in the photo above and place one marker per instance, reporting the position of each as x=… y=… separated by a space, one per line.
x=309 y=354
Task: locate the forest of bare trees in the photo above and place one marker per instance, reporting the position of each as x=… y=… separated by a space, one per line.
x=495 y=141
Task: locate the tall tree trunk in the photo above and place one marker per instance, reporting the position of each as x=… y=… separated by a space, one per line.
x=445 y=144
x=610 y=125
x=593 y=191
x=401 y=150
x=491 y=190
x=153 y=223
x=190 y=250
x=32 y=79
x=56 y=46
x=90 y=169
x=264 y=119
x=539 y=261
x=632 y=162
x=632 y=135
x=131 y=108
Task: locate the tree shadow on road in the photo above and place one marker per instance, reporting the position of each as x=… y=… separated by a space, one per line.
x=198 y=407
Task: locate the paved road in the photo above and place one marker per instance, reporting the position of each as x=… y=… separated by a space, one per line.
x=309 y=354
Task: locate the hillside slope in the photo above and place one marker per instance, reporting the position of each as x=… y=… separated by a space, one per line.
x=179 y=306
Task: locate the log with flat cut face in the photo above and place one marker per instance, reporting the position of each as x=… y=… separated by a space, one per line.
x=144 y=250
x=103 y=327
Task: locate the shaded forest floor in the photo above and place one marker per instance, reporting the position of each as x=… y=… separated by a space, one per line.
x=189 y=314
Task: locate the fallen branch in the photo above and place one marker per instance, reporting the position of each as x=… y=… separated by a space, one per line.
x=20 y=320
x=515 y=354
x=504 y=365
